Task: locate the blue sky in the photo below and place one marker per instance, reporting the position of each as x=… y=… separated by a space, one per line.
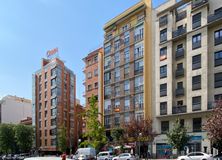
x=31 y=27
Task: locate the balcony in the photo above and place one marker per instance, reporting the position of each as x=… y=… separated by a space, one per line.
x=179 y=32
x=138 y=71
x=196 y=107
x=196 y=45
x=198 y=3
x=179 y=72
x=107 y=111
x=163 y=93
x=179 y=53
x=138 y=37
x=214 y=17
x=211 y=105
x=163 y=38
x=138 y=88
x=181 y=16
x=196 y=24
x=179 y=109
x=107 y=126
x=179 y=92
x=196 y=86
x=163 y=21
x=163 y=75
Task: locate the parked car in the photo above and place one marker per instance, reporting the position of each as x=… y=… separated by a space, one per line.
x=45 y=158
x=106 y=155
x=85 y=153
x=125 y=156
x=196 y=156
x=218 y=157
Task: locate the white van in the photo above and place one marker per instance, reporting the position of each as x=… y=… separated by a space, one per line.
x=85 y=154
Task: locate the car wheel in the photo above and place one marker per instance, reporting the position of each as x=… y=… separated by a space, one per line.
x=204 y=159
x=106 y=159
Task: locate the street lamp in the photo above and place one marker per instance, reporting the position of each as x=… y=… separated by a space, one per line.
x=140 y=134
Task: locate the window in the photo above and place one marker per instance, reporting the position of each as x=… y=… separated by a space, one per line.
x=218 y=58
x=140 y=18
x=45 y=94
x=218 y=80
x=163 y=21
x=196 y=62
x=45 y=142
x=53 y=112
x=116 y=44
x=196 y=20
x=126 y=103
x=126 y=118
x=96 y=72
x=53 y=102
x=196 y=41
x=164 y=127
x=40 y=115
x=107 y=106
x=138 y=66
x=117 y=104
x=138 y=84
x=107 y=78
x=138 y=101
x=163 y=53
x=46 y=113
x=163 y=35
x=45 y=75
x=107 y=49
x=53 y=82
x=125 y=27
x=107 y=121
x=127 y=87
x=126 y=38
x=196 y=101
x=96 y=59
x=138 y=33
x=107 y=91
x=138 y=50
x=117 y=74
x=53 y=122
x=89 y=75
x=96 y=85
x=89 y=87
x=53 y=92
x=40 y=106
x=163 y=71
x=126 y=71
x=126 y=55
x=117 y=120
x=45 y=123
x=107 y=63
x=117 y=59
x=163 y=108
x=117 y=91
x=46 y=103
x=179 y=103
x=53 y=71
x=181 y=122
x=196 y=82
x=40 y=78
x=218 y=37
x=53 y=142
x=40 y=96
x=197 y=124
x=163 y=90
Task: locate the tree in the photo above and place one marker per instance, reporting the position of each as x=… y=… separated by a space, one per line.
x=177 y=137
x=140 y=130
x=213 y=126
x=118 y=135
x=7 y=138
x=62 y=141
x=24 y=136
x=95 y=134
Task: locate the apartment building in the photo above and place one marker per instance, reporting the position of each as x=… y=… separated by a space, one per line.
x=91 y=72
x=13 y=109
x=126 y=73
x=54 y=104
x=188 y=63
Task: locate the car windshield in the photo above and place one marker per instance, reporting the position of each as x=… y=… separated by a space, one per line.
x=103 y=154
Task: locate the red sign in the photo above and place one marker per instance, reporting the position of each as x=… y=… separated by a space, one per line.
x=52 y=52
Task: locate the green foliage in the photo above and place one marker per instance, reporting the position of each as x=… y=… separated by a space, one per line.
x=118 y=135
x=7 y=138
x=95 y=134
x=62 y=145
x=24 y=137
x=178 y=137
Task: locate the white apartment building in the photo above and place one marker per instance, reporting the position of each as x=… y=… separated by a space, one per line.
x=188 y=68
x=14 y=109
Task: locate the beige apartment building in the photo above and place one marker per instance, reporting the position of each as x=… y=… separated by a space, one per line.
x=188 y=63
x=126 y=74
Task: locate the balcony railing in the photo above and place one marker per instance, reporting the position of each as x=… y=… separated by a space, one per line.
x=179 y=109
x=218 y=41
x=196 y=24
x=163 y=38
x=218 y=62
x=179 y=53
x=215 y=17
x=196 y=86
x=179 y=72
x=163 y=75
x=211 y=105
x=218 y=84
x=196 y=65
x=138 y=88
x=163 y=111
x=138 y=37
x=179 y=32
x=179 y=92
x=198 y=3
x=138 y=71
x=163 y=93
x=196 y=45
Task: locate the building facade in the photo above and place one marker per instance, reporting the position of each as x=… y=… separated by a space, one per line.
x=13 y=109
x=91 y=72
x=54 y=104
x=126 y=73
x=188 y=67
